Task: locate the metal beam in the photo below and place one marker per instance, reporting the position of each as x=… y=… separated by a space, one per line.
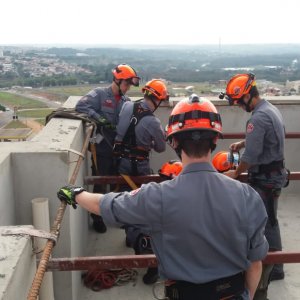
x=152 y=178
x=241 y=135
x=141 y=261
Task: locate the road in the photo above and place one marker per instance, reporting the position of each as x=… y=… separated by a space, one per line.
x=5 y=117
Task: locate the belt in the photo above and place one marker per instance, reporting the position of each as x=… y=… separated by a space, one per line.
x=271 y=167
x=223 y=288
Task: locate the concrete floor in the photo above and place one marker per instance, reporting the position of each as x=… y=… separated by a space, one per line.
x=289 y=288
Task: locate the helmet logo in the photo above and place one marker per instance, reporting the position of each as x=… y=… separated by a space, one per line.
x=236 y=90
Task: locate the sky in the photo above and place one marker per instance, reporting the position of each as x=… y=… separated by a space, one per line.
x=151 y=22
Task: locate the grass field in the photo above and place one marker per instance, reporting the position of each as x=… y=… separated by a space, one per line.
x=15 y=124
x=12 y=100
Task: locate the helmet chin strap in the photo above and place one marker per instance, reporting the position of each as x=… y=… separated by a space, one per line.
x=247 y=105
x=118 y=85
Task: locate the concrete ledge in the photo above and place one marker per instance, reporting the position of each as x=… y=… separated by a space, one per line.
x=17 y=265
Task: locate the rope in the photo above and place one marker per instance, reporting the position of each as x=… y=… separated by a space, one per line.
x=98 y=280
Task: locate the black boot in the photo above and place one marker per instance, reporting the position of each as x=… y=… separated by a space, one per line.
x=277 y=272
x=98 y=223
x=151 y=276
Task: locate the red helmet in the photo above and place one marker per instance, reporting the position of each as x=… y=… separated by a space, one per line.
x=157 y=88
x=224 y=161
x=126 y=72
x=238 y=86
x=171 y=169
x=194 y=113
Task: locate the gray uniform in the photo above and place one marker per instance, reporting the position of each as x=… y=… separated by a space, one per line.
x=203 y=225
x=264 y=144
x=149 y=135
x=101 y=102
x=264 y=147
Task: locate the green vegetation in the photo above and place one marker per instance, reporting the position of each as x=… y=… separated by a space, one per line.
x=21 y=102
x=15 y=124
x=34 y=114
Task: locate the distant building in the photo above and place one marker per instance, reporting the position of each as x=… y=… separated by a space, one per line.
x=1 y=53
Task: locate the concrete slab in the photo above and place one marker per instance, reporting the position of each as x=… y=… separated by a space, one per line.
x=113 y=243
x=17 y=265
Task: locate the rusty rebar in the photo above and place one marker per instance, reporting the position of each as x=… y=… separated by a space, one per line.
x=55 y=229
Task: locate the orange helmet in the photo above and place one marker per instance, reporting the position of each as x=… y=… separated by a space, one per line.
x=194 y=113
x=238 y=86
x=224 y=161
x=126 y=72
x=171 y=169
x=157 y=88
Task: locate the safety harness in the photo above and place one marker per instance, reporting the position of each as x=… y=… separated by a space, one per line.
x=128 y=147
x=270 y=192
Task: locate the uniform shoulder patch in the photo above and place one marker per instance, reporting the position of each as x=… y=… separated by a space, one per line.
x=250 y=127
x=134 y=192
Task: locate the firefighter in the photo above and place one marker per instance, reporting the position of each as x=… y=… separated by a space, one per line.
x=206 y=230
x=104 y=105
x=139 y=131
x=263 y=158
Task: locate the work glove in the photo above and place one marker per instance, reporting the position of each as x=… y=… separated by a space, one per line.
x=105 y=124
x=68 y=193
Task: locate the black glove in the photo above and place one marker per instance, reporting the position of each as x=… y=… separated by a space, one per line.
x=105 y=124
x=68 y=193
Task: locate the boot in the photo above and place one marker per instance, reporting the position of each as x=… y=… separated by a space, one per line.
x=277 y=272
x=151 y=276
x=98 y=223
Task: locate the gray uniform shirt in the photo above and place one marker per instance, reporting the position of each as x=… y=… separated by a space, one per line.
x=203 y=225
x=149 y=135
x=265 y=135
x=101 y=102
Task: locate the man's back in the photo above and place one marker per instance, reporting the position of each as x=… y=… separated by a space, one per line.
x=206 y=226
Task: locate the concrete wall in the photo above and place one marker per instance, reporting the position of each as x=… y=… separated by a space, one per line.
x=17 y=266
x=37 y=168
x=7 y=203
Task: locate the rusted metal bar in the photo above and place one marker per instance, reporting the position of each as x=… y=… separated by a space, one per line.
x=102 y=262
x=282 y=257
x=121 y=180
x=141 y=261
x=39 y=275
x=153 y=178
x=241 y=135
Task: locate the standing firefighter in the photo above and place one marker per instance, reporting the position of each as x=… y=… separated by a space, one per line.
x=139 y=131
x=104 y=105
x=263 y=158
x=206 y=229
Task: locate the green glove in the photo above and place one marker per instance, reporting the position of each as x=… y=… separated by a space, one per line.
x=68 y=193
x=105 y=124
